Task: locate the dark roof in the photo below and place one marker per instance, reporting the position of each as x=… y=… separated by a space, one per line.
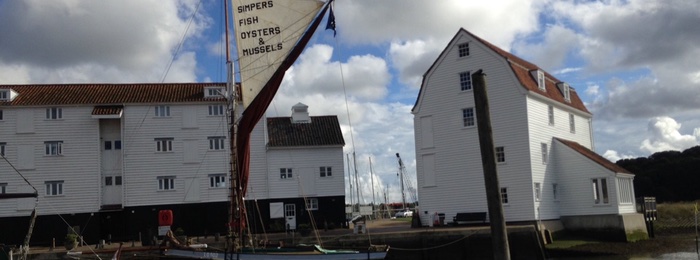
x=107 y=110
x=322 y=131
x=593 y=156
x=108 y=94
x=521 y=68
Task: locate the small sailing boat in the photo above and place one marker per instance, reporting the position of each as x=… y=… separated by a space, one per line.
x=270 y=36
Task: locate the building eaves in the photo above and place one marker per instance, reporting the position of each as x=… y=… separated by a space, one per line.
x=593 y=156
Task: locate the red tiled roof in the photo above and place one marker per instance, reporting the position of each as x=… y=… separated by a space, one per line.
x=593 y=156
x=522 y=69
x=321 y=131
x=107 y=94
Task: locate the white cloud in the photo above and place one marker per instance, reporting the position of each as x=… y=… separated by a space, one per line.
x=93 y=41
x=592 y=90
x=614 y=156
x=664 y=136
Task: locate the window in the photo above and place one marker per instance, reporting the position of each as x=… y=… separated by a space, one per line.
x=504 y=195
x=626 y=189
x=3 y=188
x=572 y=123
x=567 y=93
x=216 y=110
x=463 y=49
x=554 y=191
x=54 y=188
x=540 y=80
x=1 y=117
x=544 y=153
x=162 y=111
x=117 y=144
x=216 y=142
x=326 y=171
x=312 y=204
x=550 y=111
x=285 y=173
x=108 y=180
x=465 y=80
x=500 y=154
x=54 y=113
x=600 y=191
x=538 y=191
x=468 y=117
x=166 y=183
x=217 y=181
x=54 y=148
x=213 y=92
x=2 y=149
x=4 y=95
x=108 y=145
x=117 y=180
x=164 y=144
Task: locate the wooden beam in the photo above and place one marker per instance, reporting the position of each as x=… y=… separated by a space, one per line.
x=17 y=195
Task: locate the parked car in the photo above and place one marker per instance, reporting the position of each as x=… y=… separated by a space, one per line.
x=404 y=213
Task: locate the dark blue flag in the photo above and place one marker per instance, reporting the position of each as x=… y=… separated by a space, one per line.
x=331 y=22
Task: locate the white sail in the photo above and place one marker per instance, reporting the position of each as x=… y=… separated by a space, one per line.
x=266 y=31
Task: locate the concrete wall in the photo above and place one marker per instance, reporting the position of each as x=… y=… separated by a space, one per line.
x=625 y=227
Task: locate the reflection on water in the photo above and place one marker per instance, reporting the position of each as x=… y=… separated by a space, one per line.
x=671 y=256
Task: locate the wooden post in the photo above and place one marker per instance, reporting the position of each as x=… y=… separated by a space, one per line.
x=499 y=234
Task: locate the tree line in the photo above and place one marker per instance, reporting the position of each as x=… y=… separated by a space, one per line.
x=670 y=176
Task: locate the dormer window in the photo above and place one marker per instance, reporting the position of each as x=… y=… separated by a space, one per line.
x=565 y=90
x=7 y=94
x=540 y=80
x=214 y=92
x=463 y=49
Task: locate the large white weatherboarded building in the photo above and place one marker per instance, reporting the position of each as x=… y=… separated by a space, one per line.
x=106 y=158
x=542 y=137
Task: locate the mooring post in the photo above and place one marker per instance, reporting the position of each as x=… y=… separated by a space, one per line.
x=499 y=234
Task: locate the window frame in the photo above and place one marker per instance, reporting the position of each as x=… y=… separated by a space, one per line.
x=541 y=80
x=538 y=191
x=544 y=149
x=166 y=183
x=550 y=114
x=463 y=50
x=164 y=144
x=2 y=115
x=468 y=117
x=217 y=181
x=53 y=188
x=3 y=188
x=2 y=148
x=217 y=143
x=286 y=173
x=53 y=148
x=600 y=190
x=572 y=123
x=465 y=81
x=54 y=113
x=555 y=191
x=311 y=203
x=216 y=110
x=5 y=95
x=325 y=171
x=625 y=188
x=500 y=152
x=504 y=195
x=162 y=111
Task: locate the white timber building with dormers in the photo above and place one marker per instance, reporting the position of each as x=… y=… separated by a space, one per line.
x=543 y=144
x=106 y=158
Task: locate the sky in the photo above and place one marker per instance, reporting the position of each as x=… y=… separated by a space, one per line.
x=634 y=63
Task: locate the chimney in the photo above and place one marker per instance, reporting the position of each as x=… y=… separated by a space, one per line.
x=300 y=114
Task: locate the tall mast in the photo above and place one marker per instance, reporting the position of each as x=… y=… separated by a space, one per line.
x=352 y=202
x=401 y=170
x=234 y=202
x=371 y=176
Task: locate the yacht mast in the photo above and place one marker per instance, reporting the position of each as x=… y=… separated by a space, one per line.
x=402 y=168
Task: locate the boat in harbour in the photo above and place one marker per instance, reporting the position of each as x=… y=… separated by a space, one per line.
x=270 y=36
